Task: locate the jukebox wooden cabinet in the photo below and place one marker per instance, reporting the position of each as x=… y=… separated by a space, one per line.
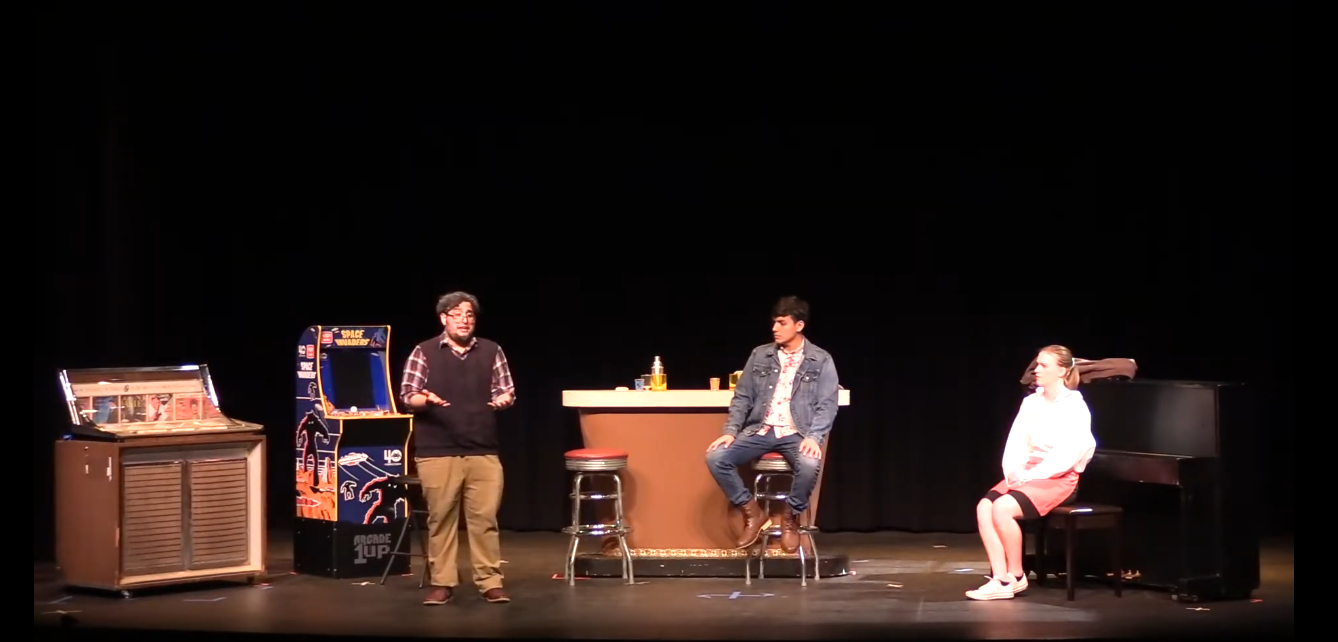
x=154 y=484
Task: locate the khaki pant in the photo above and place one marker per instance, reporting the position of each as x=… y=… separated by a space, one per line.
x=474 y=482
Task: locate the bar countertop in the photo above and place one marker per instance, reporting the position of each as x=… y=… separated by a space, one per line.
x=658 y=399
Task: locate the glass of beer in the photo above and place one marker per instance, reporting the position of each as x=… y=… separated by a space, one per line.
x=715 y=383
x=734 y=378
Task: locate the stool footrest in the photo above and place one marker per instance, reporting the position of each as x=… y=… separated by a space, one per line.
x=585 y=496
x=596 y=529
x=776 y=531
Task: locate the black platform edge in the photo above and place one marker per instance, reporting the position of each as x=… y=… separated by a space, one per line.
x=595 y=565
x=71 y=633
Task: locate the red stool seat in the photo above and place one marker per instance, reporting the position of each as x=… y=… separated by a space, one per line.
x=596 y=453
x=773 y=456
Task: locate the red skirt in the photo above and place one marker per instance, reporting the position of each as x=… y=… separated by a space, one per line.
x=1045 y=494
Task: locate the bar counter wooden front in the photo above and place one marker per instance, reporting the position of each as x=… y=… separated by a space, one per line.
x=682 y=523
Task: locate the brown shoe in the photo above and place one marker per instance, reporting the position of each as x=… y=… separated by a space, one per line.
x=790 y=531
x=754 y=520
x=496 y=596
x=437 y=596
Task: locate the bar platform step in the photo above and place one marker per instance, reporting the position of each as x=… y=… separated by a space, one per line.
x=597 y=565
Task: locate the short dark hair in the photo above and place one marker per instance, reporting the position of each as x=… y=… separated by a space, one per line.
x=449 y=302
x=791 y=306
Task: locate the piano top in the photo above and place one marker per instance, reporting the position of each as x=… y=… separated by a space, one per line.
x=1175 y=383
x=1111 y=452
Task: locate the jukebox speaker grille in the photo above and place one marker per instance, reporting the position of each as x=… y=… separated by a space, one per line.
x=152 y=524
x=219 y=521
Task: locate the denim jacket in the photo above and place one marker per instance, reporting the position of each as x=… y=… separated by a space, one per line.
x=813 y=401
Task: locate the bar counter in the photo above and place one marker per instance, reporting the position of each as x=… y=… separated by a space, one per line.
x=677 y=512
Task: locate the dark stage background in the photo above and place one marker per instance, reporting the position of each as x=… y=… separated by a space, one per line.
x=616 y=184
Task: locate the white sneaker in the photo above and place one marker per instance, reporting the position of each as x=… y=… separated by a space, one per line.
x=1019 y=585
x=992 y=590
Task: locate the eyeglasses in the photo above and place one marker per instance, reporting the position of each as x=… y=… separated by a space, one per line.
x=460 y=316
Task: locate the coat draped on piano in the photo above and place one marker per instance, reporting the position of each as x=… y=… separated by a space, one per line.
x=1091 y=370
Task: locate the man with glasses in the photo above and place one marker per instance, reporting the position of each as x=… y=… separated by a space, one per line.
x=455 y=383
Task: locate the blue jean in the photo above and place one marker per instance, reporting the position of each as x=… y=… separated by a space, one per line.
x=724 y=465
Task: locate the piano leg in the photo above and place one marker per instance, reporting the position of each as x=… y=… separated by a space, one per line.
x=1040 y=553
x=1186 y=504
x=1116 y=561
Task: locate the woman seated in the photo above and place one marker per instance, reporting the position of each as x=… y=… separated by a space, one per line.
x=1048 y=446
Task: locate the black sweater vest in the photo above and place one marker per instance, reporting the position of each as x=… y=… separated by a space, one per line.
x=467 y=426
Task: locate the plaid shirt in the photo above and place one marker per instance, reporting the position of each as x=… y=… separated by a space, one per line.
x=415 y=370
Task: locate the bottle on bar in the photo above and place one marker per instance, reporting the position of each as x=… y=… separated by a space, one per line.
x=658 y=380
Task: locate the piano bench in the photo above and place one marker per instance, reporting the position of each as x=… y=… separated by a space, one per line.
x=1071 y=519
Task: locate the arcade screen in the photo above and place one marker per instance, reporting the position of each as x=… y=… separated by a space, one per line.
x=352 y=372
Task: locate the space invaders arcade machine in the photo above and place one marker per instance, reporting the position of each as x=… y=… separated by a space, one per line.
x=351 y=441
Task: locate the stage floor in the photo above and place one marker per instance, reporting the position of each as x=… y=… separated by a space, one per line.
x=904 y=585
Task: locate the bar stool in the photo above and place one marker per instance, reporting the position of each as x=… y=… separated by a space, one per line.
x=407 y=482
x=1071 y=519
x=590 y=463
x=768 y=467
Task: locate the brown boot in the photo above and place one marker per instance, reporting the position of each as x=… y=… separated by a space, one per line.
x=496 y=596
x=754 y=520
x=438 y=595
x=790 y=531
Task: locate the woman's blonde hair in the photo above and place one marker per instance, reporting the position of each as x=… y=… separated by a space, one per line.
x=1064 y=357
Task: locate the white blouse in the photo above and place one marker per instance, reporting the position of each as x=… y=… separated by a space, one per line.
x=1059 y=433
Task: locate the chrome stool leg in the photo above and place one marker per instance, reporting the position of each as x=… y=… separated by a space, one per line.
x=762 y=484
x=803 y=565
x=765 y=504
x=762 y=491
x=620 y=526
x=808 y=532
x=570 y=569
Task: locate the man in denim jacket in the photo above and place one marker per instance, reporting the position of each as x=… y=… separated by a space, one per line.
x=785 y=402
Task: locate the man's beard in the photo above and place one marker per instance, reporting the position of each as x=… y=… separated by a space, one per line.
x=460 y=338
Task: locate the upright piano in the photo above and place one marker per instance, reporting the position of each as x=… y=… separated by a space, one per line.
x=1181 y=458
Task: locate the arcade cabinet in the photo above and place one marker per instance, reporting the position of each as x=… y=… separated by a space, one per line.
x=154 y=484
x=350 y=443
